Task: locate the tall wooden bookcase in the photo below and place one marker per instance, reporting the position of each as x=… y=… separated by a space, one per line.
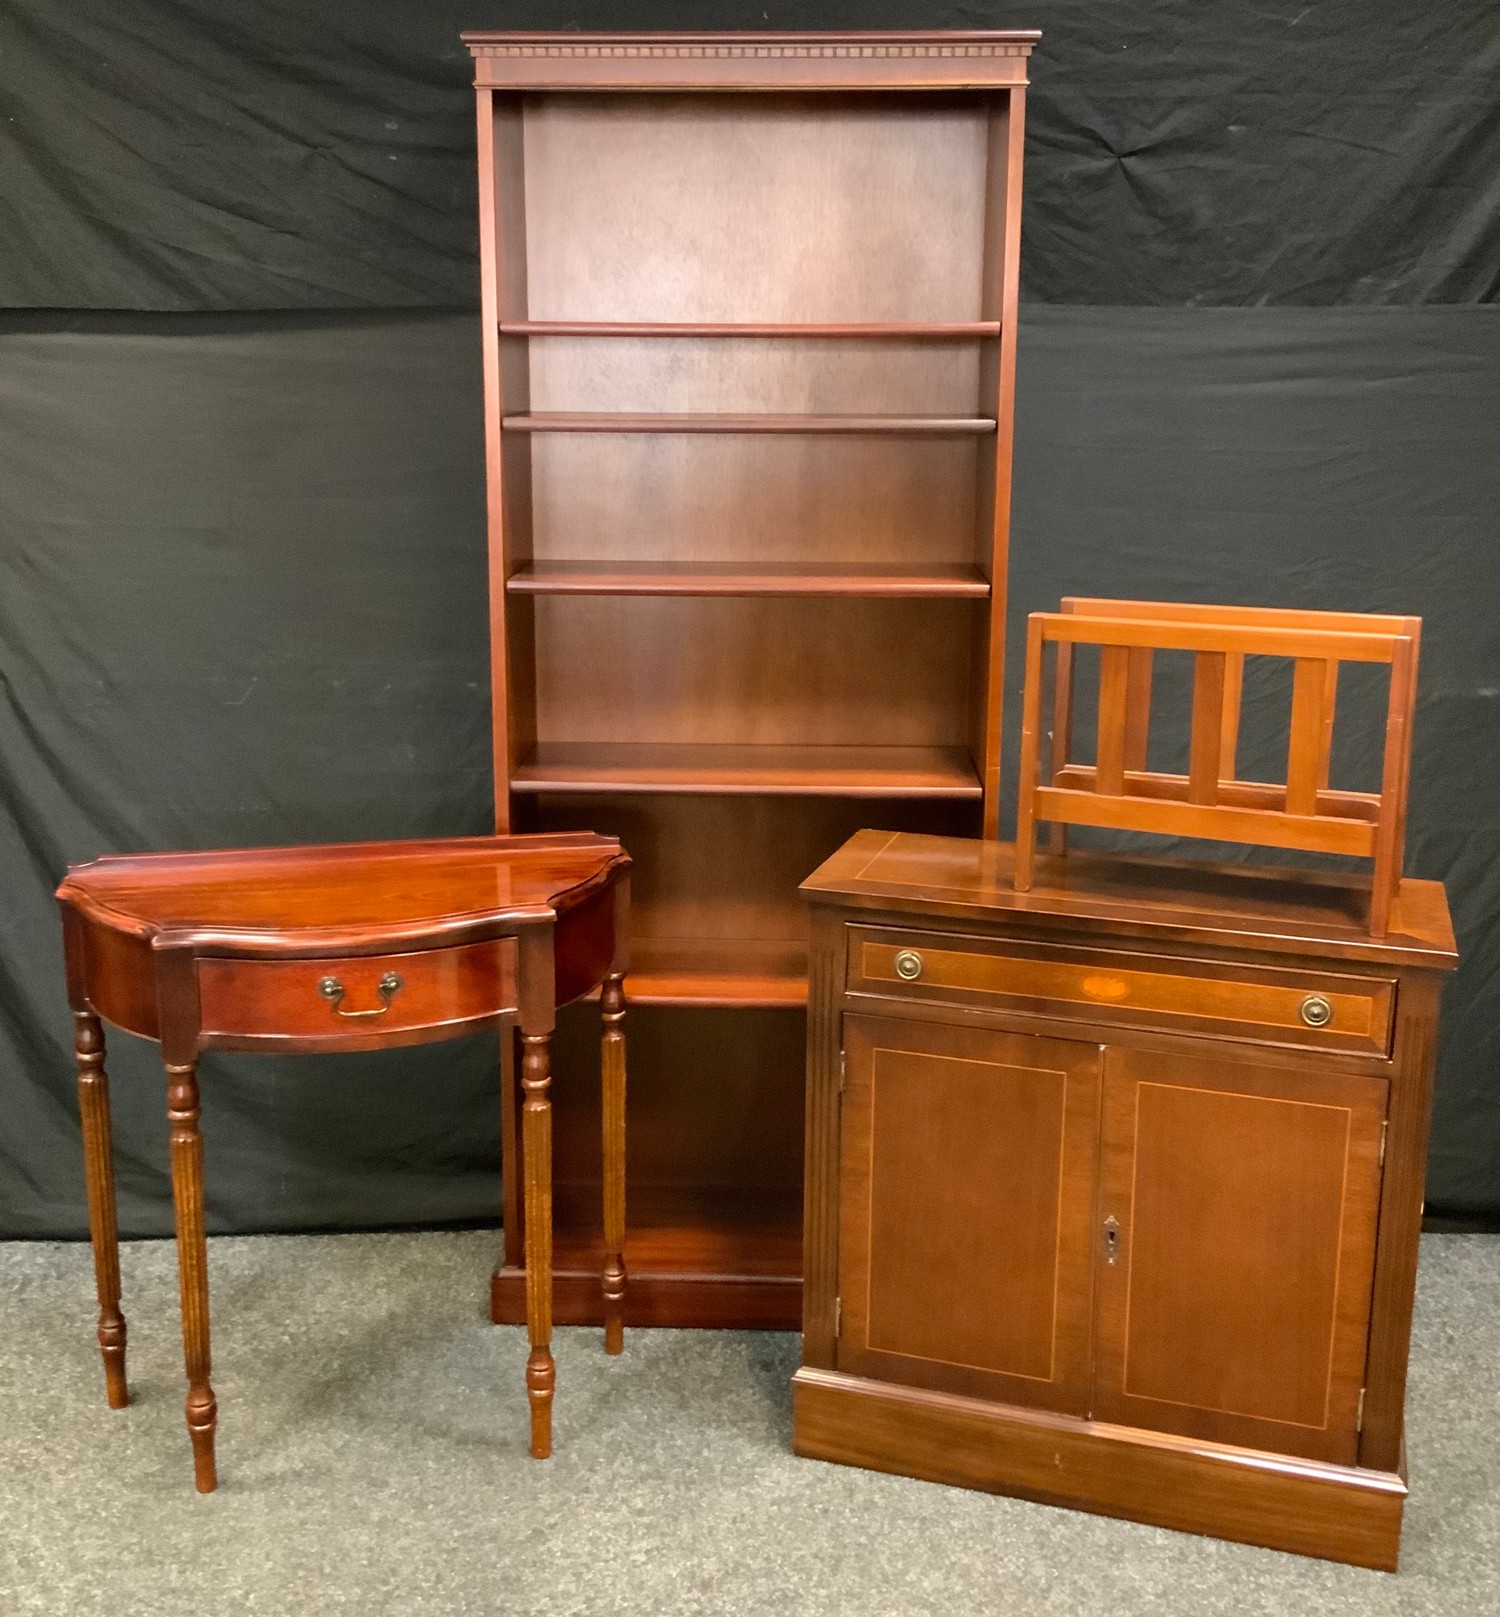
x=749 y=344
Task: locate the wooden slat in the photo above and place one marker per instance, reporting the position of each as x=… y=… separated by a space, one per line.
x=1204 y=766
x=1330 y=706
x=1137 y=706
x=1259 y=616
x=1114 y=675
x=1236 y=793
x=1031 y=751
x=1388 y=832
x=1265 y=827
x=1306 y=758
x=1062 y=711
x=1229 y=735
x=1062 y=734
x=1244 y=639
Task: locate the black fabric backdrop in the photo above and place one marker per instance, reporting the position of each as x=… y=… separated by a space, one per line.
x=300 y=154
x=241 y=527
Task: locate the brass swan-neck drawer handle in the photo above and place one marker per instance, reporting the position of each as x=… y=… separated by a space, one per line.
x=333 y=990
x=1315 y=1011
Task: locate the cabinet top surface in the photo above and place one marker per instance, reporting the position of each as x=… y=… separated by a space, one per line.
x=342 y=891
x=1277 y=910
x=927 y=59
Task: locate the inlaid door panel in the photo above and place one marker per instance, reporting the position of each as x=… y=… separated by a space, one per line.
x=1234 y=1293
x=967 y=1184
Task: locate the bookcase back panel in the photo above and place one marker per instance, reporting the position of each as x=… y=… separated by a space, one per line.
x=715 y=1099
x=737 y=671
x=754 y=207
x=708 y=868
x=798 y=499
x=829 y=376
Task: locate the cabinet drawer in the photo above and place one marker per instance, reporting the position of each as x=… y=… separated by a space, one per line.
x=1126 y=988
x=360 y=998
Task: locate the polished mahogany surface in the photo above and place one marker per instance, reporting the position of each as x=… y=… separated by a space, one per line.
x=748 y=426
x=265 y=900
x=1114 y=1186
x=1122 y=790
x=349 y=947
x=1277 y=910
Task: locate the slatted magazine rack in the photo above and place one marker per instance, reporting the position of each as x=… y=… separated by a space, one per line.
x=749 y=335
x=1120 y=792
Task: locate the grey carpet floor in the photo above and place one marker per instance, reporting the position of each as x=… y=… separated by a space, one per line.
x=372 y=1460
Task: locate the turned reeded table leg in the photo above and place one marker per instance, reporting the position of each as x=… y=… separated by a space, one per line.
x=536 y=1155
x=99 y=1175
x=192 y=1267
x=613 y=1065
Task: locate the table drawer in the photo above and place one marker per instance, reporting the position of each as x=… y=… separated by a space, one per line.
x=1317 y=1009
x=363 y=998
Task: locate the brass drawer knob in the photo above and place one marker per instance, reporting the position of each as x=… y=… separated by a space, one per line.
x=1316 y=1011
x=908 y=965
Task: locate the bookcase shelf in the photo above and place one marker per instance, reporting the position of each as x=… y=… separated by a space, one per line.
x=777 y=771
x=727 y=974
x=862 y=331
x=895 y=426
x=895 y=580
x=748 y=442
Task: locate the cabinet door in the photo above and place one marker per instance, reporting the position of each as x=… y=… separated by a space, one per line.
x=1234 y=1298
x=967 y=1208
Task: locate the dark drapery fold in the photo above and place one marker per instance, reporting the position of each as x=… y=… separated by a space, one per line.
x=276 y=154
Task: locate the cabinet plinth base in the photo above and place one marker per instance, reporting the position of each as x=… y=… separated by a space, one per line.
x=706 y=1301
x=1340 y=1513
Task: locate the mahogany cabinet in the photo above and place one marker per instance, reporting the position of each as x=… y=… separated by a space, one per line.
x=1114 y=1187
x=749 y=342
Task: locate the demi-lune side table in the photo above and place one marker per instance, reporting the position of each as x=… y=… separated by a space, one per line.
x=346 y=947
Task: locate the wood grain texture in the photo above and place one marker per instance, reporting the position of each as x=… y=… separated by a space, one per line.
x=775 y=465
x=719 y=1258
x=1114 y=696
x=842 y=330
x=1403 y=1185
x=99 y=1179
x=999 y=298
x=1205 y=757
x=536 y=1125
x=186 y=1147
x=726 y=421
x=817 y=771
x=1125 y=987
x=363 y=897
x=745 y=61
x=937 y=580
x=967 y=1204
x=250 y=1004
x=754 y=498
x=229 y=950
x=825 y=1090
x=759 y=672
x=1154 y=903
x=1313 y=681
x=1338 y=1512
x=697 y=208
x=1236 y=1242
x=1239 y=1307
x=612 y=1061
